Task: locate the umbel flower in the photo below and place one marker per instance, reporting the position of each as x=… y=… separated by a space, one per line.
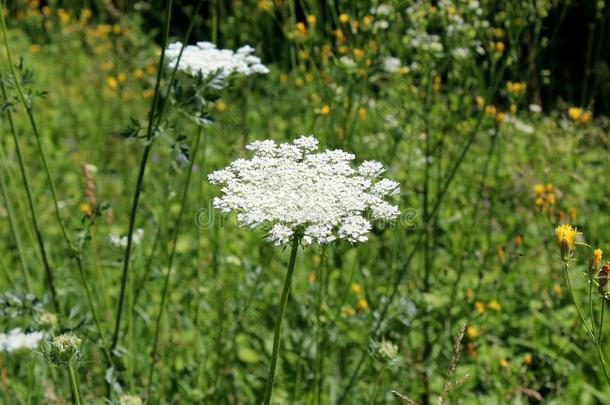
x=17 y=340
x=294 y=191
x=64 y=350
x=303 y=197
x=206 y=60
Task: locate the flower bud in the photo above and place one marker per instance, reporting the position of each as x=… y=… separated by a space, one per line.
x=64 y=350
x=602 y=280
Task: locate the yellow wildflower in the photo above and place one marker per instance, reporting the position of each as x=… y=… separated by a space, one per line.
x=557 y=289
x=480 y=101
x=343 y=18
x=499 y=46
x=527 y=359
x=574 y=113
x=348 y=311
x=572 y=213
x=325 y=110
x=494 y=305
x=479 y=307
x=362 y=305
x=436 y=85
x=85 y=208
x=220 y=105
x=356 y=288
x=264 y=5
x=362 y=113
x=358 y=53
x=111 y=82
x=138 y=73
x=539 y=189
x=597 y=257
x=301 y=28
x=35 y=48
x=311 y=277
x=469 y=293
x=366 y=20
x=503 y=363
x=518 y=240
x=148 y=93
x=472 y=331
x=566 y=235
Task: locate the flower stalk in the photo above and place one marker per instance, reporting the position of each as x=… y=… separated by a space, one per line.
x=280 y=316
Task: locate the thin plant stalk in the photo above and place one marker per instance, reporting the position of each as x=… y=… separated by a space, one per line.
x=590 y=332
x=151 y=129
x=183 y=204
x=27 y=104
x=141 y=172
x=74 y=385
x=13 y=224
x=280 y=316
x=601 y=321
x=441 y=193
x=28 y=192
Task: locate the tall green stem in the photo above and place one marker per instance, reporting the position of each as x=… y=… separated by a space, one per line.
x=280 y=316
x=171 y=259
x=13 y=223
x=74 y=385
x=141 y=172
x=28 y=193
x=590 y=332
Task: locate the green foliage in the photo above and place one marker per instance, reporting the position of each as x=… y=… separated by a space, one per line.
x=474 y=245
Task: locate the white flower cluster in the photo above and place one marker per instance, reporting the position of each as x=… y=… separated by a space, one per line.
x=118 y=241
x=387 y=349
x=205 y=59
x=17 y=340
x=319 y=196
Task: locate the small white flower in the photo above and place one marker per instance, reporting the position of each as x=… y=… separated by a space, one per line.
x=535 y=108
x=292 y=190
x=387 y=349
x=205 y=59
x=390 y=64
x=17 y=340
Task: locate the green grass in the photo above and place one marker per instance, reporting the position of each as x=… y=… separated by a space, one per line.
x=471 y=246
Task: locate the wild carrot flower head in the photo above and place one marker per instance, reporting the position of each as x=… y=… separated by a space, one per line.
x=294 y=191
x=64 y=350
x=17 y=340
x=205 y=59
x=566 y=235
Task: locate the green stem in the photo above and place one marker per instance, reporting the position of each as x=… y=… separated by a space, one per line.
x=29 y=197
x=13 y=224
x=28 y=108
x=171 y=259
x=74 y=385
x=580 y=313
x=141 y=172
x=601 y=322
x=280 y=316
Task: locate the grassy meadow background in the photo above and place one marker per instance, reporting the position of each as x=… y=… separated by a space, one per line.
x=492 y=116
